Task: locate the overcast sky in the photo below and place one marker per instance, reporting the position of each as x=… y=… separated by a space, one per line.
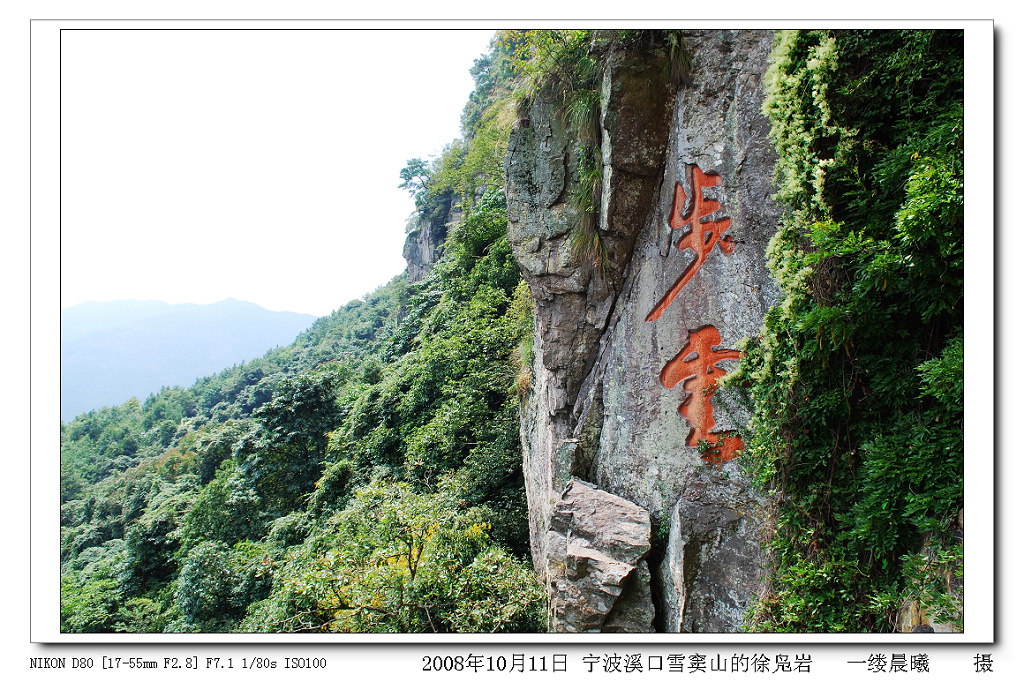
x=260 y=165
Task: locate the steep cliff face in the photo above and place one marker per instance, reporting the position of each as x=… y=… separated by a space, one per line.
x=627 y=358
x=423 y=245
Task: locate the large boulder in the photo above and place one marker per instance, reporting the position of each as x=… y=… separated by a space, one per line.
x=597 y=575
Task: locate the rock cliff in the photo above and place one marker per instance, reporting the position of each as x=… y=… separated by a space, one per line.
x=424 y=243
x=625 y=427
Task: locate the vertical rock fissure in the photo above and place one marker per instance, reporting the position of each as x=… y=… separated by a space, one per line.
x=691 y=565
x=617 y=408
x=657 y=590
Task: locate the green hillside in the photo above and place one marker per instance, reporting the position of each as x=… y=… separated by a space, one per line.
x=366 y=478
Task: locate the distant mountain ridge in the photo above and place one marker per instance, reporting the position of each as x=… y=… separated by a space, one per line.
x=115 y=350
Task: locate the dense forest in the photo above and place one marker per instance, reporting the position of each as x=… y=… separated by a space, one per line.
x=368 y=477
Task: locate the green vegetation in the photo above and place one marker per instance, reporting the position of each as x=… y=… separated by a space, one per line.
x=366 y=478
x=857 y=379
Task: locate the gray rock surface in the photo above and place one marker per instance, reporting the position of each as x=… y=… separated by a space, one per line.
x=424 y=244
x=599 y=407
x=572 y=299
x=718 y=126
x=713 y=563
x=597 y=543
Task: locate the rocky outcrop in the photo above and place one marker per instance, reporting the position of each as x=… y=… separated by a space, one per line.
x=597 y=542
x=573 y=300
x=424 y=243
x=627 y=362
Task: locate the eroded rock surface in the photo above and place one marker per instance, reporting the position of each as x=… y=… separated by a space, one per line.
x=573 y=299
x=713 y=562
x=599 y=581
x=625 y=390
x=424 y=244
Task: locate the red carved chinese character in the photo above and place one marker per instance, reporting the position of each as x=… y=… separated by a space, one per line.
x=701 y=238
x=696 y=368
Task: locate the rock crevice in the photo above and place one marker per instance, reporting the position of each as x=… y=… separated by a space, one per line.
x=685 y=208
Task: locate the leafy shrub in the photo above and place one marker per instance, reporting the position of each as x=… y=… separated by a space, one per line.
x=400 y=561
x=856 y=379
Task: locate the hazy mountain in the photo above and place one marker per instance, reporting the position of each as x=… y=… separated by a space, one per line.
x=119 y=349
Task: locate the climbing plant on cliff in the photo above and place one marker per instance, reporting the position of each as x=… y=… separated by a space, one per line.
x=857 y=379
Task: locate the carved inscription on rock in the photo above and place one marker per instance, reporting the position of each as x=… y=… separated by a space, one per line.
x=703 y=234
x=697 y=368
x=696 y=365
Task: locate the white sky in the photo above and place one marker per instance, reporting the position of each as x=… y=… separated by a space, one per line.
x=259 y=165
